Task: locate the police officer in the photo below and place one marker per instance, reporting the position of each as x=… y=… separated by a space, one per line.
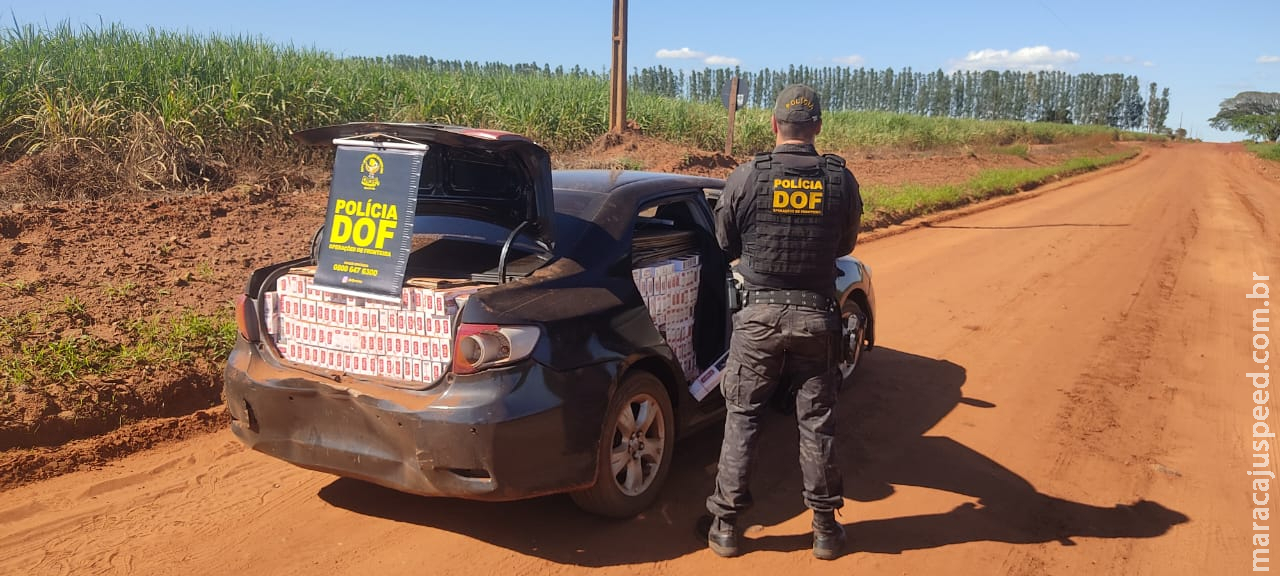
x=787 y=216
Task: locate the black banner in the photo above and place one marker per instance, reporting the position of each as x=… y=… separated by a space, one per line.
x=369 y=229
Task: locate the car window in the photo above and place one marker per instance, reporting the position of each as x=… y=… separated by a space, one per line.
x=469 y=174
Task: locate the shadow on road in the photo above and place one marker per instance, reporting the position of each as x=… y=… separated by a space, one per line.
x=884 y=415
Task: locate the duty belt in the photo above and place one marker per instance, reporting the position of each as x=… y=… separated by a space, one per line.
x=802 y=298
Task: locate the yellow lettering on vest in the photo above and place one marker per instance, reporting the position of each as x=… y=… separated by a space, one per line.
x=799 y=200
x=798 y=183
x=815 y=198
x=779 y=198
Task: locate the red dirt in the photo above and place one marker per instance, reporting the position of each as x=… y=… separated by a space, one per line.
x=154 y=256
x=1057 y=389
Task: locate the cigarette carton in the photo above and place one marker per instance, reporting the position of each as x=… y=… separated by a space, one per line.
x=709 y=379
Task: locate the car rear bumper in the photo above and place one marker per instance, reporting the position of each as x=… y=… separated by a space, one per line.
x=503 y=434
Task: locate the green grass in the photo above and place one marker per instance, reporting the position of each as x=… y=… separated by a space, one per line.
x=1020 y=150
x=163 y=96
x=118 y=291
x=29 y=358
x=16 y=329
x=893 y=204
x=1269 y=151
x=204 y=272
x=181 y=339
x=74 y=308
x=23 y=288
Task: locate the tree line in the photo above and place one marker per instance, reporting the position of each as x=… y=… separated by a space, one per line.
x=1115 y=100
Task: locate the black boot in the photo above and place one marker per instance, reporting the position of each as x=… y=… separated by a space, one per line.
x=723 y=538
x=828 y=536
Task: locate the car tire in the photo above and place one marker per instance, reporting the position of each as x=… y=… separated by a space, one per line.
x=633 y=461
x=854 y=339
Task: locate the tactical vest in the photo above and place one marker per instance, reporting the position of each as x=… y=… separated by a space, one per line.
x=801 y=212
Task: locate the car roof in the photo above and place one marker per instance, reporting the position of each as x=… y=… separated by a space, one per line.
x=595 y=209
x=588 y=194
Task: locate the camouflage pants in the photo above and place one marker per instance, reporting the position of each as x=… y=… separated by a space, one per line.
x=775 y=343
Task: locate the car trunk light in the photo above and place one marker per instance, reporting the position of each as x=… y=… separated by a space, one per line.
x=481 y=346
x=246 y=323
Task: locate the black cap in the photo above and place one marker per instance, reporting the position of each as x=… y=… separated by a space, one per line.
x=798 y=103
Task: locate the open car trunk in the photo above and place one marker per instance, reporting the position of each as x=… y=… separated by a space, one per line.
x=482 y=215
x=482 y=175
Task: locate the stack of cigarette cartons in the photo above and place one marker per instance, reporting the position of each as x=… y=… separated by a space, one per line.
x=410 y=340
x=670 y=291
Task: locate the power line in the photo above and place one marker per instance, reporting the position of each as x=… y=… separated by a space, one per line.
x=1055 y=16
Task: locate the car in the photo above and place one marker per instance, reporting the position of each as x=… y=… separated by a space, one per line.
x=560 y=379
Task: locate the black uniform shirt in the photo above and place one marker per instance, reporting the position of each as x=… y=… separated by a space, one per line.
x=736 y=211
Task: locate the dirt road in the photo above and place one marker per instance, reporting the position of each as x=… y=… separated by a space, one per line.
x=1059 y=390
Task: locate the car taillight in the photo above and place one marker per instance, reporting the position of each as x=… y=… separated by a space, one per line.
x=481 y=346
x=246 y=323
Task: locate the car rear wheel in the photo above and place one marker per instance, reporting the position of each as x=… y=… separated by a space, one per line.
x=854 y=327
x=635 y=449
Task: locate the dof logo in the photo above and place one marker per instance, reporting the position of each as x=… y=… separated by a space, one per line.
x=371 y=167
x=797 y=196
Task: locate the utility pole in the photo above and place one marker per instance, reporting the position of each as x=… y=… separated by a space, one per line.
x=733 y=115
x=618 y=74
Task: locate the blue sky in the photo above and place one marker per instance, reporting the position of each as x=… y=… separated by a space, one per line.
x=1203 y=51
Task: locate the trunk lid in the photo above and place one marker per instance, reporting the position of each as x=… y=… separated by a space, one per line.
x=486 y=175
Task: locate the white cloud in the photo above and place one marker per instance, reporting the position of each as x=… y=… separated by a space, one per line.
x=722 y=60
x=691 y=54
x=1269 y=59
x=1032 y=58
x=683 y=54
x=1148 y=64
x=850 y=60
